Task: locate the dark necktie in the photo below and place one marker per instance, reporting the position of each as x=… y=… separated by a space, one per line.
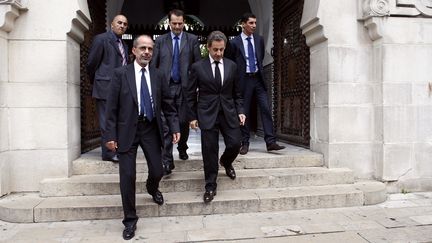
x=218 y=77
x=122 y=52
x=251 y=56
x=146 y=105
x=175 y=75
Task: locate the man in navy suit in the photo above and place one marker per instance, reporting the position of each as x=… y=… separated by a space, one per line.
x=215 y=100
x=137 y=96
x=247 y=50
x=174 y=53
x=108 y=51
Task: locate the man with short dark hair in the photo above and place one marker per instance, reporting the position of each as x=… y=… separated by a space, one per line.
x=174 y=53
x=108 y=51
x=217 y=107
x=247 y=51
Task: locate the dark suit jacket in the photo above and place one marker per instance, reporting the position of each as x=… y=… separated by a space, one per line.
x=211 y=97
x=122 y=106
x=103 y=58
x=236 y=52
x=163 y=52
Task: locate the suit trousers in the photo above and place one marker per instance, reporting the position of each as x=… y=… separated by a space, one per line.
x=210 y=149
x=101 y=108
x=181 y=106
x=255 y=85
x=148 y=138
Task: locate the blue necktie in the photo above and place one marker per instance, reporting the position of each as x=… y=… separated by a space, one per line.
x=251 y=56
x=175 y=75
x=146 y=104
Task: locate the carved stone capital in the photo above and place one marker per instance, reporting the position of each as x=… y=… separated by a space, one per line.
x=424 y=6
x=375 y=8
x=9 y=11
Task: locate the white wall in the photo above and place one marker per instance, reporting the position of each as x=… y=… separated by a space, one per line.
x=371 y=107
x=43 y=92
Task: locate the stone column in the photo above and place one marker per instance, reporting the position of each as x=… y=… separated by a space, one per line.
x=43 y=91
x=371 y=104
x=342 y=90
x=9 y=11
x=402 y=50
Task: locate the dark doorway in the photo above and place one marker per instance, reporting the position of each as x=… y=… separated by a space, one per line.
x=144 y=16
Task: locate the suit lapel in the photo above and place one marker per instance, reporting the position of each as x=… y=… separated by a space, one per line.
x=130 y=76
x=257 y=50
x=240 y=45
x=207 y=68
x=153 y=86
x=113 y=42
x=169 y=43
x=183 y=42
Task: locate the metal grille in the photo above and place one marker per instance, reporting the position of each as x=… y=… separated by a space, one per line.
x=90 y=133
x=291 y=74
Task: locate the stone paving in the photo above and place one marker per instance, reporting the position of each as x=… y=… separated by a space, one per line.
x=402 y=218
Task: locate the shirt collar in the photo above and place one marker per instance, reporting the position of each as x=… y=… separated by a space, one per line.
x=179 y=36
x=115 y=36
x=212 y=60
x=244 y=36
x=138 y=67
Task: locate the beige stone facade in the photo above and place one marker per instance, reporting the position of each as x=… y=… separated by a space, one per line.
x=371 y=101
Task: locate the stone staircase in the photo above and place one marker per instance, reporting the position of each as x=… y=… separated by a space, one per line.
x=293 y=178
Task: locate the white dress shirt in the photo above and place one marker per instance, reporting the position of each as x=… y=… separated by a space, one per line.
x=221 y=67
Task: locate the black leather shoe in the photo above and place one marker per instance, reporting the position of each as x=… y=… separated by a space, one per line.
x=274 y=147
x=114 y=159
x=129 y=232
x=157 y=197
x=183 y=155
x=168 y=168
x=230 y=172
x=244 y=149
x=209 y=195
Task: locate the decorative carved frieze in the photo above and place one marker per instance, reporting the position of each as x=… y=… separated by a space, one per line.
x=373 y=8
x=379 y=8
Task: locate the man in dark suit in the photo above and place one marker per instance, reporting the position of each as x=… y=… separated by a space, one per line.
x=173 y=54
x=137 y=96
x=108 y=51
x=217 y=106
x=247 y=50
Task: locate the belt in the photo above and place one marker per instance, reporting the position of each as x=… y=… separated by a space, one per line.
x=251 y=74
x=172 y=81
x=142 y=118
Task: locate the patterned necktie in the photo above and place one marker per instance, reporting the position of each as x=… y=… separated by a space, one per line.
x=251 y=56
x=218 y=76
x=175 y=69
x=146 y=104
x=122 y=52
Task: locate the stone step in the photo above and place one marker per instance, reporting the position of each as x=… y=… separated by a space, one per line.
x=292 y=156
x=105 y=184
x=32 y=208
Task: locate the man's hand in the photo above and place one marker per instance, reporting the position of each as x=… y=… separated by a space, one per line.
x=176 y=138
x=242 y=119
x=111 y=145
x=194 y=124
